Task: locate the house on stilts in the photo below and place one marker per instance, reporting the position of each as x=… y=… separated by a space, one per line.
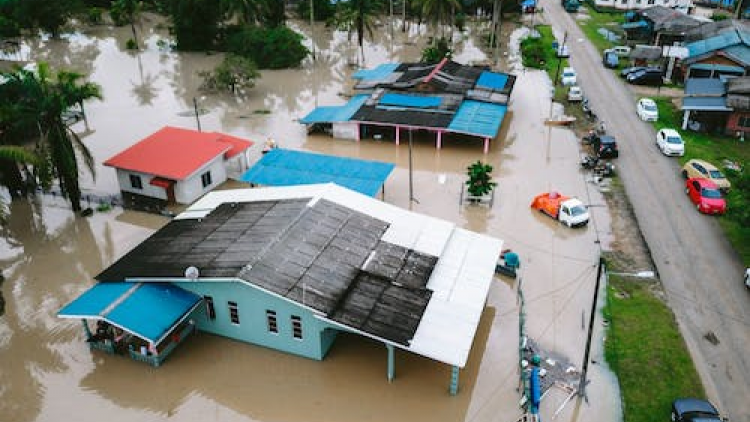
x=448 y=99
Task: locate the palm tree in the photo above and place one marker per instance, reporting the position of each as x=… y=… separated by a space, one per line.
x=359 y=16
x=36 y=103
x=439 y=12
x=246 y=11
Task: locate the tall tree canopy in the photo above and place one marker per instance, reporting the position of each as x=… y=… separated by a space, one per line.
x=34 y=110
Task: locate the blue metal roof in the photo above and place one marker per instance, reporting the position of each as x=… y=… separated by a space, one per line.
x=704 y=86
x=148 y=310
x=478 y=118
x=379 y=73
x=283 y=167
x=492 y=80
x=406 y=100
x=705 y=104
x=634 y=25
x=718 y=42
x=328 y=114
x=94 y=300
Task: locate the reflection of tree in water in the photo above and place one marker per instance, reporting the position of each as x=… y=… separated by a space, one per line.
x=48 y=266
x=144 y=89
x=76 y=53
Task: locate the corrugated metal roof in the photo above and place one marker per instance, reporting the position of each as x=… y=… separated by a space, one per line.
x=705 y=104
x=492 y=80
x=379 y=73
x=282 y=167
x=148 y=310
x=478 y=118
x=704 y=86
x=330 y=114
x=714 y=43
x=410 y=100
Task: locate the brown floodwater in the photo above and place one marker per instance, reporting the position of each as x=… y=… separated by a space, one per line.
x=49 y=256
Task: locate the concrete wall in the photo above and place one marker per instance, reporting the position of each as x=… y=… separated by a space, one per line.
x=252 y=303
x=123 y=178
x=345 y=130
x=190 y=189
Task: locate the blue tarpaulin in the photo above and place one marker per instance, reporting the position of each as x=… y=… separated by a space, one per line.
x=478 y=118
x=492 y=80
x=376 y=74
x=329 y=114
x=283 y=167
x=148 y=310
x=419 y=101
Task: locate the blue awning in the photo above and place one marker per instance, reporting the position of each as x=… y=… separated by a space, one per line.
x=492 y=80
x=635 y=25
x=148 y=310
x=478 y=118
x=705 y=87
x=283 y=167
x=718 y=68
x=330 y=114
x=405 y=100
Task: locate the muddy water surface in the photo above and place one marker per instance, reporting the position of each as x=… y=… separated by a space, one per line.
x=49 y=256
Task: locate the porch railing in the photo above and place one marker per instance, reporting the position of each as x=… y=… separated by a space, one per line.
x=156 y=360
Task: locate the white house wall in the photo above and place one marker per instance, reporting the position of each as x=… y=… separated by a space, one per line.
x=190 y=189
x=345 y=130
x=123 y=178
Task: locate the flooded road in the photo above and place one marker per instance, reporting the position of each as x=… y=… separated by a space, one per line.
x=49 y=256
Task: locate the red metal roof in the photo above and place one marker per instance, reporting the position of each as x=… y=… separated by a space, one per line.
x=175 y=153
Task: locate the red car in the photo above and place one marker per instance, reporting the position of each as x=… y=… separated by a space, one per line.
x=705 y=195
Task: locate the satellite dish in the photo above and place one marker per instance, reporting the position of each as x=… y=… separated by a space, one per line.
x=192 y=273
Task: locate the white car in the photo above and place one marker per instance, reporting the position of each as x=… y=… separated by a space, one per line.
x=569 y=76
x=575 y=93
x=747 y=277
x=562 y=51
x=670 y=142
x=622 y=50
x=647 y=110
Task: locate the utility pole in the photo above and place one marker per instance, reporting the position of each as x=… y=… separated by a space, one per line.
x=312 y=28
x=592 y=317
x=559 y=59
x=197 y=117
x=411 y=177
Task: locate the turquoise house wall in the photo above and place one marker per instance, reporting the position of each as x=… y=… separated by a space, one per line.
x=252 y=303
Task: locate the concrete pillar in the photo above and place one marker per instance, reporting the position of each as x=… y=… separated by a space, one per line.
x=398 y=135
x=358 y=132
x=391 y=363
x=454 y=381
x=685 y=119
x=486 y=145
x=439 y=140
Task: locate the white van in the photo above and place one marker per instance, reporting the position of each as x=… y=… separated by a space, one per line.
x=621 y=50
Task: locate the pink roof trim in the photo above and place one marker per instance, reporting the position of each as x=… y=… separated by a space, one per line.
x=436 y=69
x=174 y=153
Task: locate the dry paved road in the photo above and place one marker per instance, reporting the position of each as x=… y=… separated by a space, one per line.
x=703 y=285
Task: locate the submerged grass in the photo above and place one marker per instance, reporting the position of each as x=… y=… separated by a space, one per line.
x=646 y=351
x=537 y=53
x=604 y=19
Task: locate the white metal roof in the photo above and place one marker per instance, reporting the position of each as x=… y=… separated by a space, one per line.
x=460 y=280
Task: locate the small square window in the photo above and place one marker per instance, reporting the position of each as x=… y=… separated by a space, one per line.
x=297 y=327
x=273 y=326
x=234 y=314
x=135 y=182
x=744 y=121
x=206 y=179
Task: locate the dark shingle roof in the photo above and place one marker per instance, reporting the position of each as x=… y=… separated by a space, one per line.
x=325 y=256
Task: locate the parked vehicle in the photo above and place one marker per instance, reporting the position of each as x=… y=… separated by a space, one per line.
x=575 y=93
x=628 y=70
x=586 y=107
x=694 y=410
x=569 y=76
x=705 y=195
x=621 y=50
x=603 y=146
x=570 y=6
x=670 y=142
x=569 y=211
x=610 y=59
x=649 y=76
x=647 y=110
x=706 y=170
x=747 y=278
x=563 y=51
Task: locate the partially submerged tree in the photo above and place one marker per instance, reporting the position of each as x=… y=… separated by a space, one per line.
x=480 y=179
x=235 y=73
x=36 y=102
x=359 y=16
